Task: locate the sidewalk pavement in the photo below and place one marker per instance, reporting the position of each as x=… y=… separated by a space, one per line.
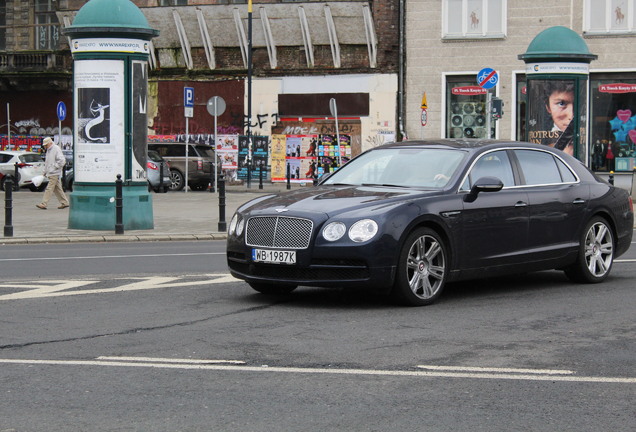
x=191 y=215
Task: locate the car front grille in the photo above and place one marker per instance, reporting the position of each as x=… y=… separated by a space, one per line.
x=278 y=232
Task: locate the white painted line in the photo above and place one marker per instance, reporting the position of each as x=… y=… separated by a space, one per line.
x=169 y=360
x=57 y=288
x=497 y=370
x=624 y=260
x=110 y=256
x=325 y=371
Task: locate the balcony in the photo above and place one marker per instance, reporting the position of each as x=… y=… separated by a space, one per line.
x=33 y=61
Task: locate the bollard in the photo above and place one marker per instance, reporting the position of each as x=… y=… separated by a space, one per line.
x=288 y=177
x=222 y=224
x=212 y=177
x=64 y=168
x=119 y=206
x=611 y=178
x=633 y=191
x=260 y=177
x=8 y=207
x=16 y=178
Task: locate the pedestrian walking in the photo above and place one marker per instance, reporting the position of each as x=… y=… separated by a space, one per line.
x=53 y=165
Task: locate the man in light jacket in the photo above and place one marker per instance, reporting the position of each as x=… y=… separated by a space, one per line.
x=53 y=165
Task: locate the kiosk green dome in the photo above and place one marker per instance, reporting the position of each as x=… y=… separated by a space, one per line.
x=558 y=43
x=114 y=17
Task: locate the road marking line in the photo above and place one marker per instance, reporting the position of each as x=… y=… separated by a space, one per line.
x=144 y=283
x=325 y=371
x=498 y=370
x=111 y=256
x=169 y=360
x=624 y=260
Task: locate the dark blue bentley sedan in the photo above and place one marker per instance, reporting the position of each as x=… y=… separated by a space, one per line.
x=406 y=218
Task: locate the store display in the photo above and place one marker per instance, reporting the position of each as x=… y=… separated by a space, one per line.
x=467 y=120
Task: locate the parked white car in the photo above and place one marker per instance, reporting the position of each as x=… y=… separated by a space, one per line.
x=30 y=164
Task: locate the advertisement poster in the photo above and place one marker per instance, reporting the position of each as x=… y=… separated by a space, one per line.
x=99 y=122
x=259 y=155
x=278 y=158
x=551 y=117
x=139 y=98
x=227 y=151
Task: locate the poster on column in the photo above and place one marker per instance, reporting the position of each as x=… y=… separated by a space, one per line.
x=139 y=100
x=259 y=157
x=99 y=121
x=279 y=149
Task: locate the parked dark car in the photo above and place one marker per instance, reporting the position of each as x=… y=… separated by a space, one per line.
x=407 y=218
x=200 y=159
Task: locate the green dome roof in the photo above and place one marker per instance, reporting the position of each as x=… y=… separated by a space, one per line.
x=558 y=43
x=110 y=16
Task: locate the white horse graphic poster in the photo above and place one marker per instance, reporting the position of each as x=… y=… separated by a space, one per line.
x=99 y=121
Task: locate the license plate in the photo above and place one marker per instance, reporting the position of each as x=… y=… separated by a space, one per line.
x=274 y=256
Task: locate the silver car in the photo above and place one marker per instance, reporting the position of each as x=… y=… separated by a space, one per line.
x=154 y=170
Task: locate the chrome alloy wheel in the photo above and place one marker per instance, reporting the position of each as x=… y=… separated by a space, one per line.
x=425 y=267
x=599 y=249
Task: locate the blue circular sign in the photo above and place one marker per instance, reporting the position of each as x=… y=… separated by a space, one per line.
x=487 y=78
x=61 y=111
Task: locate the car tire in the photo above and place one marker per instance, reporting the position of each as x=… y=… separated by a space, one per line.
x=177 y=182
x=198 y=186
x=272 y=289
x=422 y=268
x=165 y=189
x=596 y=253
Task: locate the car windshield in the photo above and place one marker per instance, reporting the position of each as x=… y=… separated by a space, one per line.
x=154 y=156
x=401 y=167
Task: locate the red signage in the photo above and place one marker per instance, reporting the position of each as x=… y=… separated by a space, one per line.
x=617 y=88
x=468 y=91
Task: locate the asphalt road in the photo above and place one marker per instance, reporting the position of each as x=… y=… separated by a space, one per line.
x=157 y=337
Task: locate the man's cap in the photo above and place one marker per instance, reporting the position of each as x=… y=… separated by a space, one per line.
x=47 y=141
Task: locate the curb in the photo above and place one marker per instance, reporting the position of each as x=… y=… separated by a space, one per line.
x=113 y=238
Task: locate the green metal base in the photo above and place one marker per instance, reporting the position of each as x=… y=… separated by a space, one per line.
x=93 y=207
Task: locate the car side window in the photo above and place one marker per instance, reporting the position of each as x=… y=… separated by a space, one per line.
x=538 y=167
x=494 y=164
x=4 y=158
x=175 y=151
x=566 y=174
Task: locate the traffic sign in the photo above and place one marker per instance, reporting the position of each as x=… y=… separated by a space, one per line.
x=487 y=78
x=424 y=117
x=216 y=105
x=188 y=102
x=188 y=97
x=61 y=111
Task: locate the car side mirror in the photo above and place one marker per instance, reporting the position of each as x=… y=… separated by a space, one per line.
x=484 y=184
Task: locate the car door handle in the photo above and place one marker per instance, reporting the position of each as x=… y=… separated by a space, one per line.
x=521 y=204
x=578 y=201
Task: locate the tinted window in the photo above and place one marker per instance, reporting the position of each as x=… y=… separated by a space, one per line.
x=31 y=158
x=204 y=151
x=495 y=164
x=538 y=167
x=566 y=174
x=5 y=158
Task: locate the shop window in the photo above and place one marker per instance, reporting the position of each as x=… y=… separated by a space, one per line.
x=465 y=108
x=610 y=16
x=47 y=29
x=467 y=19
x=613 y=122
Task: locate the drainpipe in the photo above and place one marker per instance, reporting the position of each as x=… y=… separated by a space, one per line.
x=402 y=41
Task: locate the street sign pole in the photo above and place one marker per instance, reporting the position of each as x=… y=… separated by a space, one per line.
x=216 y=107
x=188 y=105
x=61 y=115
x=488 y=78
x=333 y=107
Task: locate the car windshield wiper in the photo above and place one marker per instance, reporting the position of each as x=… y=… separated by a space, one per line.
x=383 y=185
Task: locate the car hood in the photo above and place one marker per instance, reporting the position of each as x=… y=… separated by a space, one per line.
x=332 y=200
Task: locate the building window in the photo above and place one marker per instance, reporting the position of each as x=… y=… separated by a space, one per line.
x=3 y=23
x=466 y=108
x=522 y=99
x=610 y=16
x=469 y=19
x=47 y=28
x=613 y=122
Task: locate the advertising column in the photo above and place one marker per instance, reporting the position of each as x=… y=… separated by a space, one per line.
x=110 y=47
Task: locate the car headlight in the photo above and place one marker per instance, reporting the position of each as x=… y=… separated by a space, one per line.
x=334 y=231
x=233 y=224
x=363 y=230
x=240 y=226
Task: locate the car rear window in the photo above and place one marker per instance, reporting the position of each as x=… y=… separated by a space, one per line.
x=205 y=151
x=30 y=158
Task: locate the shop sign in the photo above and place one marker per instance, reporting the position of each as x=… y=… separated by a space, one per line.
x=468 y=91
x=617 y=88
